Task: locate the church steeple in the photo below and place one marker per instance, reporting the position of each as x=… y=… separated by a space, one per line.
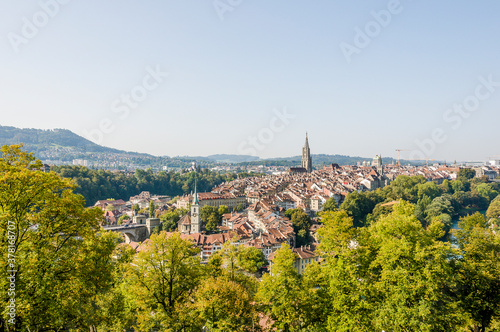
x=196 y=222
x=306 y=156
x=195 y=196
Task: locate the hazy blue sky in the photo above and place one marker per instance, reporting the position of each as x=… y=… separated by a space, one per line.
x=362 y=78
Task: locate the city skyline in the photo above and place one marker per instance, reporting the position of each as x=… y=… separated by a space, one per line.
x=252 y=77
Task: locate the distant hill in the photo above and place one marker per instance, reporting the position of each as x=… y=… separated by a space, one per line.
x=318 y=160
x=36 y=140
x=225 y=158
x=62 y=146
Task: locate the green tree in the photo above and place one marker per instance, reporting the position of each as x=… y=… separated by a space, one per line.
x=239 y=207
x=225 y=305
x=63 y=263
x=136 y=208
x=461 y=184
x=250 y=259
x=440 y=205
x=301 y=224
x=446 y=187
x=152 y=208
x=420 y=209
x=223 y=209
x=412 y=275
x=101 y=302
x=381 y=209
x=405 y=187
x=122 y=219
x=444 y=219
x=279 y=291
x=171 y=218
x=494 y=209
x=393 y=275
x=337 y=233
x=211 y=217
x=236 y=260
x=486 y=190
x=161 y=281
x=330 y=205
x=429 y=189
x=466 y=173
x=464 y=199
x=111 y=308
x=315 y=298
x=359 y=205
x=289 y=213
x=478 y=272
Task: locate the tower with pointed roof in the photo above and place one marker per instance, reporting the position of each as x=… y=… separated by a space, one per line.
x=377 y=162
x=306 y=157
x=195 y=212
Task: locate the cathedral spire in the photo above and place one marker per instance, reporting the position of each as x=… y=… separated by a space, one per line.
x=306 y=156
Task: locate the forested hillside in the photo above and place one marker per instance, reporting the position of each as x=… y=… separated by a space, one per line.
x=36 y=140
x=101 y=184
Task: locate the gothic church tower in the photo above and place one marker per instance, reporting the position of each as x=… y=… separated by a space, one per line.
x=306 y=157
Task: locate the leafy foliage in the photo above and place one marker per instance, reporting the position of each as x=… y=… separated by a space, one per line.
x=211 y=217
x=162 y=280
x=279 y=291
x=59 y=249
x=395 y=274
x=301 y=223
x=95 y=185
x=330 y=205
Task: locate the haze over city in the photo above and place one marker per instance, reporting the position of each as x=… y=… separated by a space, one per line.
x=251 y=77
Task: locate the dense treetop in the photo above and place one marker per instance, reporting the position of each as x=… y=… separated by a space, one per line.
x=95 y=185
x=383 y=266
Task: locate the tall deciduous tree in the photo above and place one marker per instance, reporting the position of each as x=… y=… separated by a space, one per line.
x=486 y=190
x=393 y=275
x=494 y=209
x=478 y=271
x=429 y=189
x=337 y=233
x=225 y=305
x=61 y=263
x=223 y=209
x=301 y=224
x=211 y=217
x=279 y=291
x=466 y=173
x=161 y=281
x=411 y=274
x=330 y=205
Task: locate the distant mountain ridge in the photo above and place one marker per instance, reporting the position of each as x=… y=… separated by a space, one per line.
x=63 y=145
x=36 y=139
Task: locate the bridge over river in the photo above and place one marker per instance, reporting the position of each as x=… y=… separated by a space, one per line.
x=135 y=232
